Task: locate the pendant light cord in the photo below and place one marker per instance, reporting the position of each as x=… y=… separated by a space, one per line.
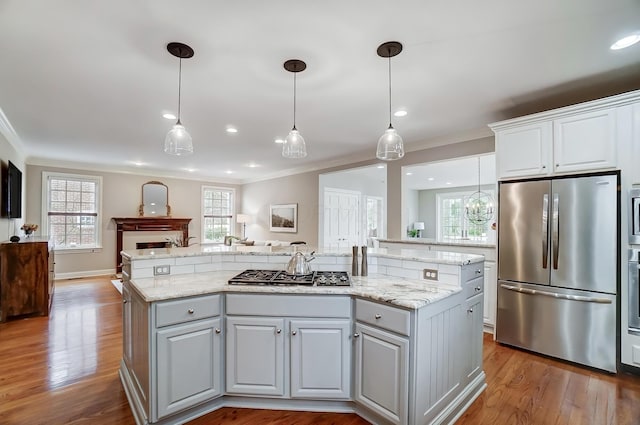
x=478 y=174
x=179 y=87
x=294 y=97
x=390 y=126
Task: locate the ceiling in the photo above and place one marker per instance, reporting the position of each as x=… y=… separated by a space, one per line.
x=88 y=82
x=459 y=172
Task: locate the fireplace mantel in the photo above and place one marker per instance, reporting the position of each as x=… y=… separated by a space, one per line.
x=147 y=224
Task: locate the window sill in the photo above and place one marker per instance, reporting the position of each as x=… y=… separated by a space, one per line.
x=64 y=251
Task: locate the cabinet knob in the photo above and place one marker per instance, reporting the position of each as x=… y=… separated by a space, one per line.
x=217 y=330
x=190 y=311
x=470 y=310
x=356 y=335
x=377 y=316
x=478 y=271
x=544 y=166
x=278 y=331
x=557 y=165
x=294 y=332
x=478 y=289
x=124 y=301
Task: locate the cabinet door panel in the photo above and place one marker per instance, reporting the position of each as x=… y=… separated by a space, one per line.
x=524 y=151
x=320 y=358
x=585 y=141
x=473 y=357
x=255 y=355
x=381 y=373
x=188 y=367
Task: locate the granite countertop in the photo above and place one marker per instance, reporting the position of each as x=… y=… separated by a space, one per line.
x=427 y=241
x=400 y=292
x=441 y=257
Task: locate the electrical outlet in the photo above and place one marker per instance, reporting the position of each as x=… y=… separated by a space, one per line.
x=161 y=270
x=430 y=274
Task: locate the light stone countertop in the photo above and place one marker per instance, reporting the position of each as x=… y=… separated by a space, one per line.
x=440 y=257
x=400 y=292
x=428 y=241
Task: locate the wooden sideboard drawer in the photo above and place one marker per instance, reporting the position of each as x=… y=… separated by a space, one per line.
x=187 y=310
x=382 y=316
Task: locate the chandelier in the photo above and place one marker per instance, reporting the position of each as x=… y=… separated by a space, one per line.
x=479 y=206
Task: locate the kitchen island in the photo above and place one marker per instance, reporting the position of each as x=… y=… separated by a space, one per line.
x=392 y=347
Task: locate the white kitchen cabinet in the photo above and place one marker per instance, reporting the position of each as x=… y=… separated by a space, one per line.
x=127 y=342
x=189 y=365
x=472 y=358
x=585 y=141
x=524 y=150
x=381 y=372
x=289 y=346
x=255 y=355
x=576 y=139
x=490 y=294
x=320 y=359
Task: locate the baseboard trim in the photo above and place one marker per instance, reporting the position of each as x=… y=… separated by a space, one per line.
x=88 y=273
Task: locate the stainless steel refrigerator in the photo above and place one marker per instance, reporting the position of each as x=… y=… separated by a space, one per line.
x=558 y=267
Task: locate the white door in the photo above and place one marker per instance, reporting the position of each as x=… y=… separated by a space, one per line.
x=341 y=218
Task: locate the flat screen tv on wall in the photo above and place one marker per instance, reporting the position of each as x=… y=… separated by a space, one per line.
x=11 y=192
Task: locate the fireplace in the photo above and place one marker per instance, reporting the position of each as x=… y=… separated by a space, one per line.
x=147 y=245
x=147 y=224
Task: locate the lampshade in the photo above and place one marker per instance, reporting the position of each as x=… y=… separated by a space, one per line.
x=418 y=225
x=243 y=218
x=178 y=141
x=294 y=146
x=390 y=145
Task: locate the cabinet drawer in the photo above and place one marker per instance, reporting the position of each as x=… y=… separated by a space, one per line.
x=473 y=287
x=382 y=316
x=288 y=305
x=472 y=271
x=187 y=310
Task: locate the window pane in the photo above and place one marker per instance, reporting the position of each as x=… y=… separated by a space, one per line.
x=218 y=214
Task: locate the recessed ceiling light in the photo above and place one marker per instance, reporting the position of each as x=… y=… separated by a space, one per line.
x=400 y=113
x=431 y=179
x=380 y=166
x=279 y=141
x=232 y=130
x=138 y=163
x=252 y=165
x=229 y=172
x=409 y=174
x=448 y=183
x=190 y=170
x=169 y=116
x=625 y=42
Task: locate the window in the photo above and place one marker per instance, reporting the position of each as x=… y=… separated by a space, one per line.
x=374 y=217
x=218 y=211
x=452 y=224
x=72 y=214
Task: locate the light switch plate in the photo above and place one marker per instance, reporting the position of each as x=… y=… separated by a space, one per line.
x=430 y=274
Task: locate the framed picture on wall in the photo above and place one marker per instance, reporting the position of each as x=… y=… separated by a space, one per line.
x=284 y=218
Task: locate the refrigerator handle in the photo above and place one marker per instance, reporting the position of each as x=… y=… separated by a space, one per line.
x=555 y=230
x=545 y=230
x=557 y=295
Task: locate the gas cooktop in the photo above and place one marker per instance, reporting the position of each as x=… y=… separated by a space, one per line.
x=279 y=277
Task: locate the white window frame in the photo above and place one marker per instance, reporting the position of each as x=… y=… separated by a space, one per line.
x=440 y=197
x=46 y=176
x=202 y=216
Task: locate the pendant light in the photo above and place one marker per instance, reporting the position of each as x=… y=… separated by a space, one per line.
x=390 y=145
x=479 y=205
x=294 y=146
x=178 y=140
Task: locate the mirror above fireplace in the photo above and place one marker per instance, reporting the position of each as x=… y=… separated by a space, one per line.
x=155 y=200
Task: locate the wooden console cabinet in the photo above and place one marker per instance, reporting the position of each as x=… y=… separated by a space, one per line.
x=26 y=278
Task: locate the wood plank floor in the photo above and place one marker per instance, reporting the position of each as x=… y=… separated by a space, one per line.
x=63 y=370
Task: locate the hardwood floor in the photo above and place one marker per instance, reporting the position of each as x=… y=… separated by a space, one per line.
x=62 y=369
